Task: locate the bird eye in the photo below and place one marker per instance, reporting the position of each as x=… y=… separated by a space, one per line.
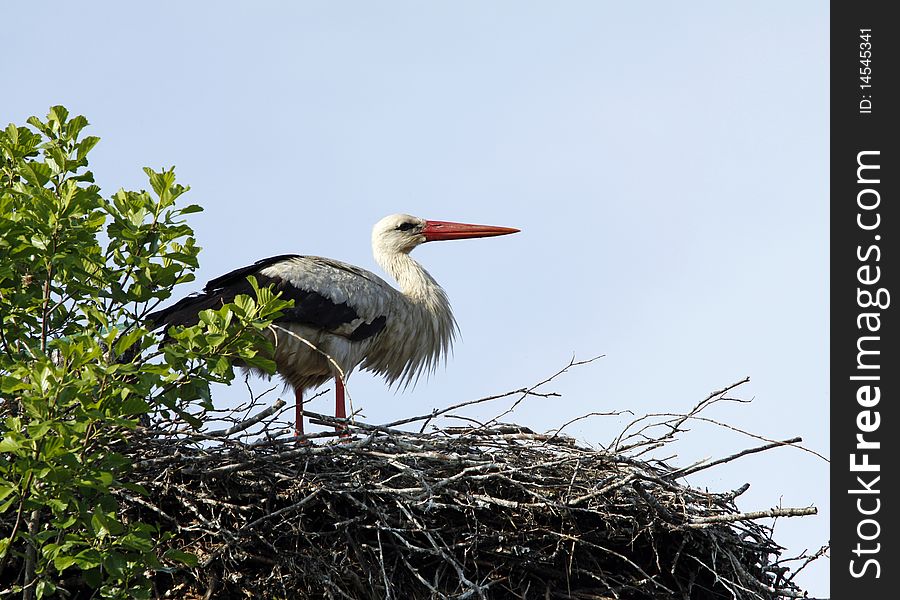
x=405 y=226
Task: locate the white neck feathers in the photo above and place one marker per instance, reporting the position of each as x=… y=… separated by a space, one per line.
x=423 y=328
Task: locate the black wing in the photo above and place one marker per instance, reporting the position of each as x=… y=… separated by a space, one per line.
x=310 y=307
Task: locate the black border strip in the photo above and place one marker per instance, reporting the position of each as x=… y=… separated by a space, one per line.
x=865 y=369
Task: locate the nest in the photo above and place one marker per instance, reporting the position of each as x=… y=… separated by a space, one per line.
x=409 y=510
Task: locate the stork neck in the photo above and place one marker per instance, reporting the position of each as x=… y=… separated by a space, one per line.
x=412 y=279
x=424 y=330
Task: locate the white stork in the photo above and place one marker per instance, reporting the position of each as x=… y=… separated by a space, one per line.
x=344 y=316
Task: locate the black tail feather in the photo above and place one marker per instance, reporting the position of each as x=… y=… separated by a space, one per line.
x=215 y=294
x=185 y=312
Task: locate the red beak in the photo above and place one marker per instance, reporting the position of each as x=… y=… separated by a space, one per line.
x=446 y=230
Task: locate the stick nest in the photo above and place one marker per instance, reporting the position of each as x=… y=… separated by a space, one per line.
x=484 y=511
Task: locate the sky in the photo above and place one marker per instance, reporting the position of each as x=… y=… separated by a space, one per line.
x=666 y=162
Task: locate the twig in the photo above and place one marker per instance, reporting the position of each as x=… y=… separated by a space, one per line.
x=529 y=391
x=749 y=516
x=818 y=554
x=247 y=423
x=736 y=455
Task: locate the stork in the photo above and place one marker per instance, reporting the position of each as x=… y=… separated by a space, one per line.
x=344 y=316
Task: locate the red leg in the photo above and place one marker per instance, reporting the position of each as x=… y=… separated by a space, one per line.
x=340 y=407
x=298 y=418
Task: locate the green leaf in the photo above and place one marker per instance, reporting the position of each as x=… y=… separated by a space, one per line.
x=36 y=174
x=98 y=525
x=185 y=558
x=6 y=489
x=127 y=340
x=86 y=145
x=9 y=444
x=9 y=385
x=38 y=241
x=56 y=505
x=115 y=564
x=88 y=559
x=44 y=588
x=139 y=541
x=134 y=405
x=66 y=522
x=37 y=430
x=63 y=562
x=134 y=487
x=259 y=362
x=222 y=365
x=59 y=114
x=75 y=125
x=12 y=132
x=8 y=503
x=138 y=592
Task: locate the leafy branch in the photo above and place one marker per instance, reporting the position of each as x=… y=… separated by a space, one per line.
x=79 y=368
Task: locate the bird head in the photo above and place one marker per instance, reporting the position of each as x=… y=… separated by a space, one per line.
x=402 y=233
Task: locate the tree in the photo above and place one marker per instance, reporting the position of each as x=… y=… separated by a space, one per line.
x=79 y=367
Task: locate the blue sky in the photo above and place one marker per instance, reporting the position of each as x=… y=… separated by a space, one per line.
x=666 y=162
